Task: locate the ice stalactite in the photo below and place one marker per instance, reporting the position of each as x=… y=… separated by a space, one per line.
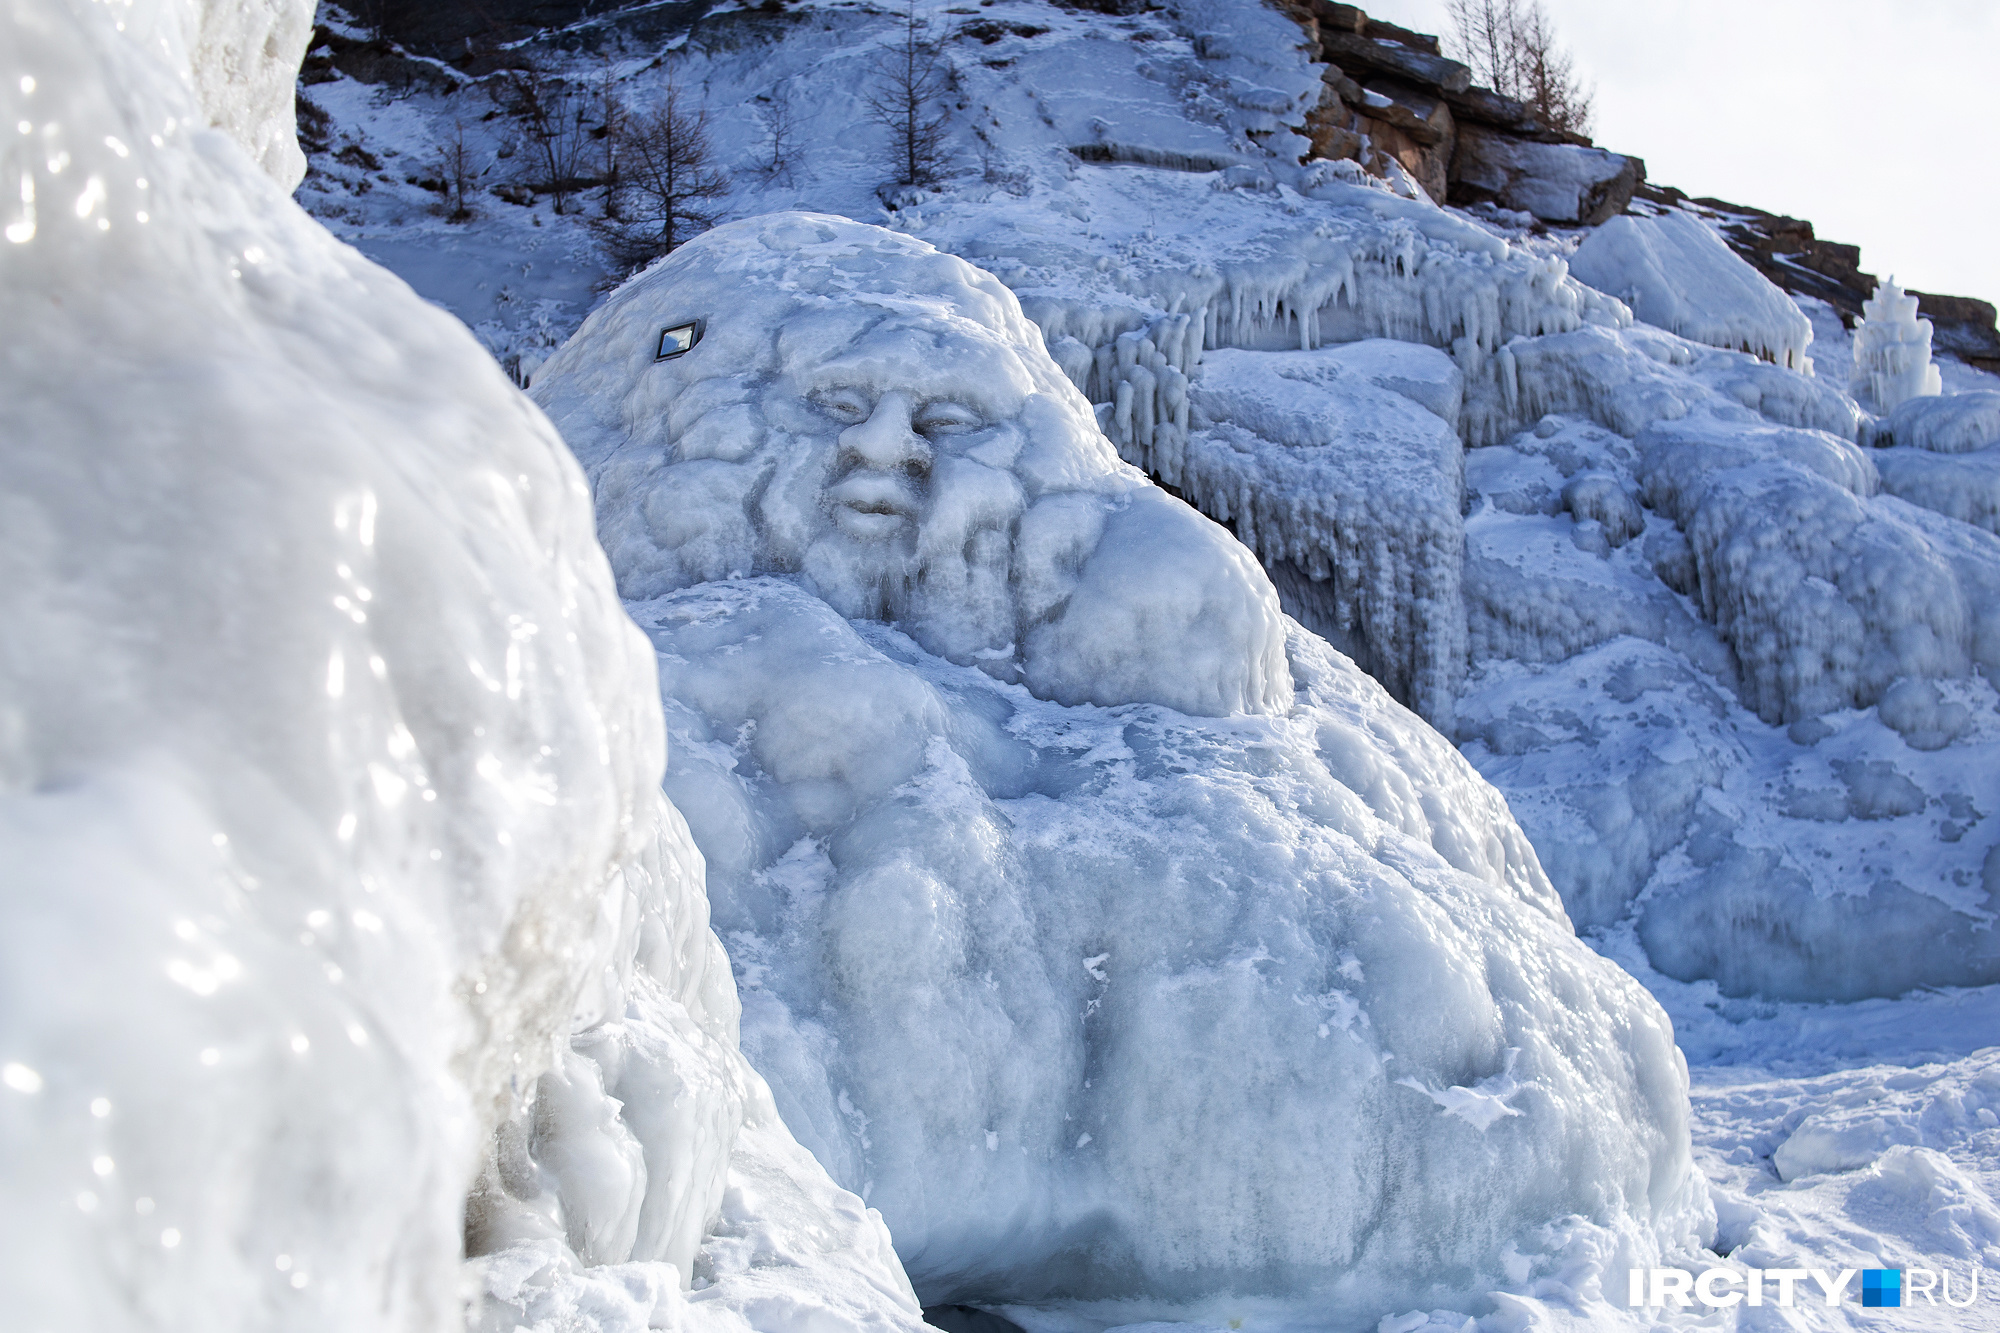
x=1350 y=492
x=1826 y=597
x=1892 y=351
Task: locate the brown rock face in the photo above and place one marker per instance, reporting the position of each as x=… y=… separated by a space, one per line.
x=1426 y=70
x=1563 y=183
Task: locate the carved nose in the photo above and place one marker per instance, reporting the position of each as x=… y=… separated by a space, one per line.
x=886 y=440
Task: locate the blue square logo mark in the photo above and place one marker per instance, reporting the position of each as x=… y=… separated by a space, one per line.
x=1882 y=1287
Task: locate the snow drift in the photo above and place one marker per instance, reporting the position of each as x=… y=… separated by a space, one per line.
x=1008 y=955
x=328 y=775
x=1678 y=274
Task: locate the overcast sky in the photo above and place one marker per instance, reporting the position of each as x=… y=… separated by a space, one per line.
x=1878 y=120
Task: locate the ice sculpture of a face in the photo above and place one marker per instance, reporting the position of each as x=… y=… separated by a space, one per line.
x=880 y=421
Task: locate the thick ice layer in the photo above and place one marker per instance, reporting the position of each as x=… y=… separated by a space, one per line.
x=1004 y=960
x=1349 y=492
x=328 y=762
x=1842 y=858
x=1826 y=599
x=1892 y=352
x=1962 y=486
x=1676 y=273
x=1958 y=423
x=881 y=419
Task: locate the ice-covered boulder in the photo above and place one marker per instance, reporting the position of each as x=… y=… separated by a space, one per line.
x=1676 y=273
x=1105 y=1002
x=1557 y=182
x=1892 y=352
x=328 y=773
x=1826 y=598
x=1958 y=423
x=880 y=419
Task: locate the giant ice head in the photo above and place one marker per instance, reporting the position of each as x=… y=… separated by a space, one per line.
x=881 y=420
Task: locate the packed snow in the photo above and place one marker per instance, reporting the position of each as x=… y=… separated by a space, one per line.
x=1008 y=951
x=330 y=802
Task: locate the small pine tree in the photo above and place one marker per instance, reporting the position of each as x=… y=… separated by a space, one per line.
x=907 y=98
x=667 y=181
x=1512 y=49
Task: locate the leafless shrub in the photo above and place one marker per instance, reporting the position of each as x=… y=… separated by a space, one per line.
x=667 y=181
x=458 y=168
x=907 y=98
x=554 y=133
x=781 y=134
x=1512 y=49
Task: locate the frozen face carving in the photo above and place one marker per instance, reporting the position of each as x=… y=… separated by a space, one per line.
x=881 y=421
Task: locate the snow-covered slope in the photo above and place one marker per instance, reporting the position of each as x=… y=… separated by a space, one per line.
x=1014 y=948
x=329 y=806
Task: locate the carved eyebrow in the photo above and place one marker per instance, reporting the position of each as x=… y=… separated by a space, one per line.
x=948 y=414
x=841 y=400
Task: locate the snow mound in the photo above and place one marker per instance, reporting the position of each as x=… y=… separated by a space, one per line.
x=1003 y=959
x=1959 y=423
x=1676 y=273
x=1964 y=486
x=328 y=763
x=1005 y=954
x=1892 y=352
x=880 y=418
x=1349 y=492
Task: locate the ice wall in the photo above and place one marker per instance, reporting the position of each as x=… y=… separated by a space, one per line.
x=328 y=768
x=1006 y=955
x=1349 y=491
x=1676 y=273
x=1892 y=351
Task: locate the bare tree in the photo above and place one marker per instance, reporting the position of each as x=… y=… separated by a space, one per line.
x=552 y=117
x=907 y=99
x=610 y=133
x=458 y=169
x=1512 y=49
x=782 y=136
x=667 y=181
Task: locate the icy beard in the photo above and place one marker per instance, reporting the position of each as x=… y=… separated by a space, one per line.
x=939 y=563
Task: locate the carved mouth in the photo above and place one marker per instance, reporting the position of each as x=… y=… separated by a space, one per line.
x=870 y=505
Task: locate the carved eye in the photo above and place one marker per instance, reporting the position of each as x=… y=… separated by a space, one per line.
x=946 y=418
x=847 y=406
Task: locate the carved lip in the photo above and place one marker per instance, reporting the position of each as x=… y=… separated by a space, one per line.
x=871 y=504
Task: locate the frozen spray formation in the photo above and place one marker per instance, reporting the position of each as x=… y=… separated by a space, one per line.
x=1007 y=953
x=328 y=777
x=1892 y=352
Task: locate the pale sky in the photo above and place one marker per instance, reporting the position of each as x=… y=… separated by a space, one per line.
x=1878 y=120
